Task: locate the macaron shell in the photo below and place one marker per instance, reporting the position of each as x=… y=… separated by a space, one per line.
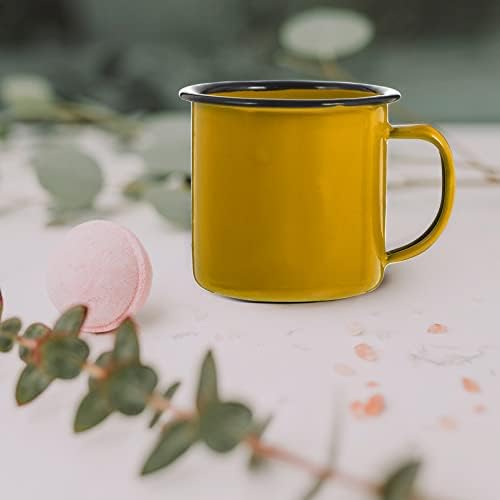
x=104 y=266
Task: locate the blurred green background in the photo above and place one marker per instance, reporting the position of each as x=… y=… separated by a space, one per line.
x=134 y=55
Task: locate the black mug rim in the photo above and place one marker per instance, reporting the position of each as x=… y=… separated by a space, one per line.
x=203 y=92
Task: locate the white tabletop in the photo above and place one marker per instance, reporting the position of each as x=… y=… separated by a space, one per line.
x=279 y=358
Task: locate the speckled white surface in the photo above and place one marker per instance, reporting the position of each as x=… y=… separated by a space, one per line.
x=280 y=358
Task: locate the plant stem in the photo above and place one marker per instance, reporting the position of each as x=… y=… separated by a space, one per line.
x=94 y=370
x=28 y=343
x=283 y=455
x=159 y=403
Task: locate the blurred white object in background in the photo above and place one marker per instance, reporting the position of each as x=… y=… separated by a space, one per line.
x=326 y=33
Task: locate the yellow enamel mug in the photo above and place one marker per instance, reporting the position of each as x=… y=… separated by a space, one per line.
x=289 y=188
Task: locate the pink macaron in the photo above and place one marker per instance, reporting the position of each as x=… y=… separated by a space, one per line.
x=104 y=266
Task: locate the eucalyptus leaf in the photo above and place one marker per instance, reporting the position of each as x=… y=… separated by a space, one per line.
x=224 y=425
x=326 y=33
x=63 y=356
x=168 y=395
x=31 y=383
x=400 y=483
x=93 y=409
x=71 y=177
x=165 y=158
x=208 y=391
x=28 y=97
x=131 y=387
x=172 y=204
x=126 y=348
x=34 y=332
x=174 y=441
x=8 y=332
x=71 y=321
x=166 y=143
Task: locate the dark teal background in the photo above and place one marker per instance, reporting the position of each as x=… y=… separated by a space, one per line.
x=134 y=55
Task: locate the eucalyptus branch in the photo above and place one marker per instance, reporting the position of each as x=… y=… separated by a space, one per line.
x=118 y=381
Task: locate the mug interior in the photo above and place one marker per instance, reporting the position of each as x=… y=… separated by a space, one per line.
x=297 y=93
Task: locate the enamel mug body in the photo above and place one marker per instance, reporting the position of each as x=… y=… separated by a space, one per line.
x=289 y=188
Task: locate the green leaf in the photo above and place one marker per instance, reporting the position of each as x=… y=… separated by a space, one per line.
x=32 y=382
x=35 y=332
x=168 y=394
x=63 y=357
x=130 y=388
x=224 y=425
x=400 y=483
x=172 y=204
x=28 y=97
x=174 y=441
x=258 y=429
x=8 y=332
x=126 y=348
x=93 y=409
x=71 y=321
x=167 y=139
x=71 y=177
x=207 y=383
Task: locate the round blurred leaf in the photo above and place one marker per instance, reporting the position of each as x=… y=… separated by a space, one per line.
x=63 y=356
x=173 y=204
x=27 y=96
x=131 y=387
x=224 y=425
x=8 y=332
x=326 y=33
x=70 y=176
x=166 y=143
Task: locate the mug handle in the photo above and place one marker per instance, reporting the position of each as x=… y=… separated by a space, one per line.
x=429 y=237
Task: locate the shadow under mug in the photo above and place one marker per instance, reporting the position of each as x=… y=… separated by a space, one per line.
x=289 y=188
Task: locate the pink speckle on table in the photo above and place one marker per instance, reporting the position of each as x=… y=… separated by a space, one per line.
x=374 y=406
x=447 y=423
x=470 y=385
x=366 y=352
x=372 y=384
x=480 y=408
x=437 y=328
x=344 y=370
x=357 y=409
